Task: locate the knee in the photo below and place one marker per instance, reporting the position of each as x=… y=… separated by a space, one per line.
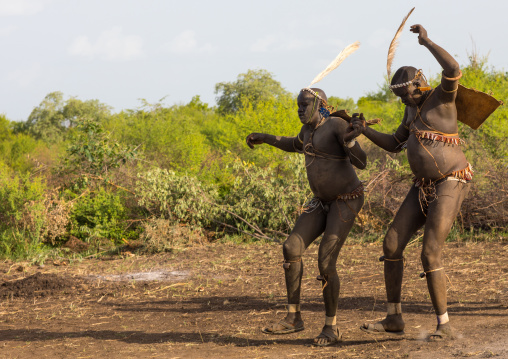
x=327 y=263
x=326 y=267
x=391 y=247
x=431 y=257
x=293 y=247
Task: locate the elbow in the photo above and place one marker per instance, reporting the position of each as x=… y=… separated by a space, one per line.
x=396 y=147
x=361 y=165
x=453 y=69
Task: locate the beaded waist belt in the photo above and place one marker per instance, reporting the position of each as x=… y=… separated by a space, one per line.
x=357 y=192
x=316 y=202
x=437 y=137
x=464 y=175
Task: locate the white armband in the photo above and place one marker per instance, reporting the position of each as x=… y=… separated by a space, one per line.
x=350 y=144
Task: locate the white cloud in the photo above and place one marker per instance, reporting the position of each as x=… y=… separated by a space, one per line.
x=24 y=77
x=186 y=43
x=21 y=7
x=111 y=45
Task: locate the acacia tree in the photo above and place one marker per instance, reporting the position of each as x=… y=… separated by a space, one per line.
x=254 y=86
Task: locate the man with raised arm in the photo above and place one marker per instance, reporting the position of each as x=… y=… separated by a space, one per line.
x=429 y=131
x=338 y=199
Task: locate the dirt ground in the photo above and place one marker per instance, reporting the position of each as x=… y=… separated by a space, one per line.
x=212 y=301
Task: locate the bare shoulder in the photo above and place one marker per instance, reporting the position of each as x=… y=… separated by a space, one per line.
x=305 y=129
x=338 y=123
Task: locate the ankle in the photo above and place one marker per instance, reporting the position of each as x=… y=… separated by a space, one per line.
x=293 y=308
x=292 y=317
x=443 y=319
x=393 y=308
x=331 y=321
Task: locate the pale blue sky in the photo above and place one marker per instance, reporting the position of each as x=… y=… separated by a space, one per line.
x=118 y=51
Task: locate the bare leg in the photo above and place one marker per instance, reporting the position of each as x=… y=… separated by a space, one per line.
x=340 y=220
x=440 y=218
x=407 y=221
x=307 y=228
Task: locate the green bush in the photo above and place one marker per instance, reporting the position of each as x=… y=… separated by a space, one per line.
x=170 y=137
x=97 y=215
x=15 y=148
x=91 y=151
x=266 y=199
x=22 y=215
x=177 y=198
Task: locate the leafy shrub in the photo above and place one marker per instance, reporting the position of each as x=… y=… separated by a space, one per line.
x=264 y=199
x=97 y=214
x=169 y=136
x=258 y=200
x=22 y=217
x=179 y=199
x=92 y=151
x=15 y=148
x=16 y=192
x=277 y=117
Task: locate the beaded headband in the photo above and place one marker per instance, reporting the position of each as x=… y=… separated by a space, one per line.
x=345 y=53
x=419 y=74
x=311 y=91
x=324 y=109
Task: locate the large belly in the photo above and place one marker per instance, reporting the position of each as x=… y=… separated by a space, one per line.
x=328 y=179
x=433 y=159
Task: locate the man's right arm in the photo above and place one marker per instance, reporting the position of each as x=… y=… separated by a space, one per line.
x=288 y=144
x=390 y=143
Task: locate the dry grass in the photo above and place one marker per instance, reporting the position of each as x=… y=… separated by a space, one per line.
x=160 y=235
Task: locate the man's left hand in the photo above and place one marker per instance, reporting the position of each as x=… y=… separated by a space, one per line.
x=356 y=127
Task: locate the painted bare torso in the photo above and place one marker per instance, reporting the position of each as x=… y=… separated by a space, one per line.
x=328 y=177
x=430 y=159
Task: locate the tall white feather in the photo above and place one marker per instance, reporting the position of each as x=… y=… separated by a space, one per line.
x=348 y=50
x=394 y=44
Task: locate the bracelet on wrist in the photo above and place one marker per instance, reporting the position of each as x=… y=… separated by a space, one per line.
x=350 y=144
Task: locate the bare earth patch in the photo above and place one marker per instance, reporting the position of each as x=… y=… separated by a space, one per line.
x=212 y=301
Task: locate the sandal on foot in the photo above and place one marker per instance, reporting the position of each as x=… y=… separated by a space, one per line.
x=332 y=339
x=378 y=328
x=443 y=332
x=283 y=327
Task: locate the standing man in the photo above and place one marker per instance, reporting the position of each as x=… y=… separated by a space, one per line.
x=429 y=131
x=338 y=192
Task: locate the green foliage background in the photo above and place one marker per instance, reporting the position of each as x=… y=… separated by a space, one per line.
x=106 y=177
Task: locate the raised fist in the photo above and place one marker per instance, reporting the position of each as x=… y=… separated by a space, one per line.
x=422 y=33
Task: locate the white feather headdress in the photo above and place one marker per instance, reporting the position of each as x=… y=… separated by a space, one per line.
x=348 y=50
x=394 y=44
